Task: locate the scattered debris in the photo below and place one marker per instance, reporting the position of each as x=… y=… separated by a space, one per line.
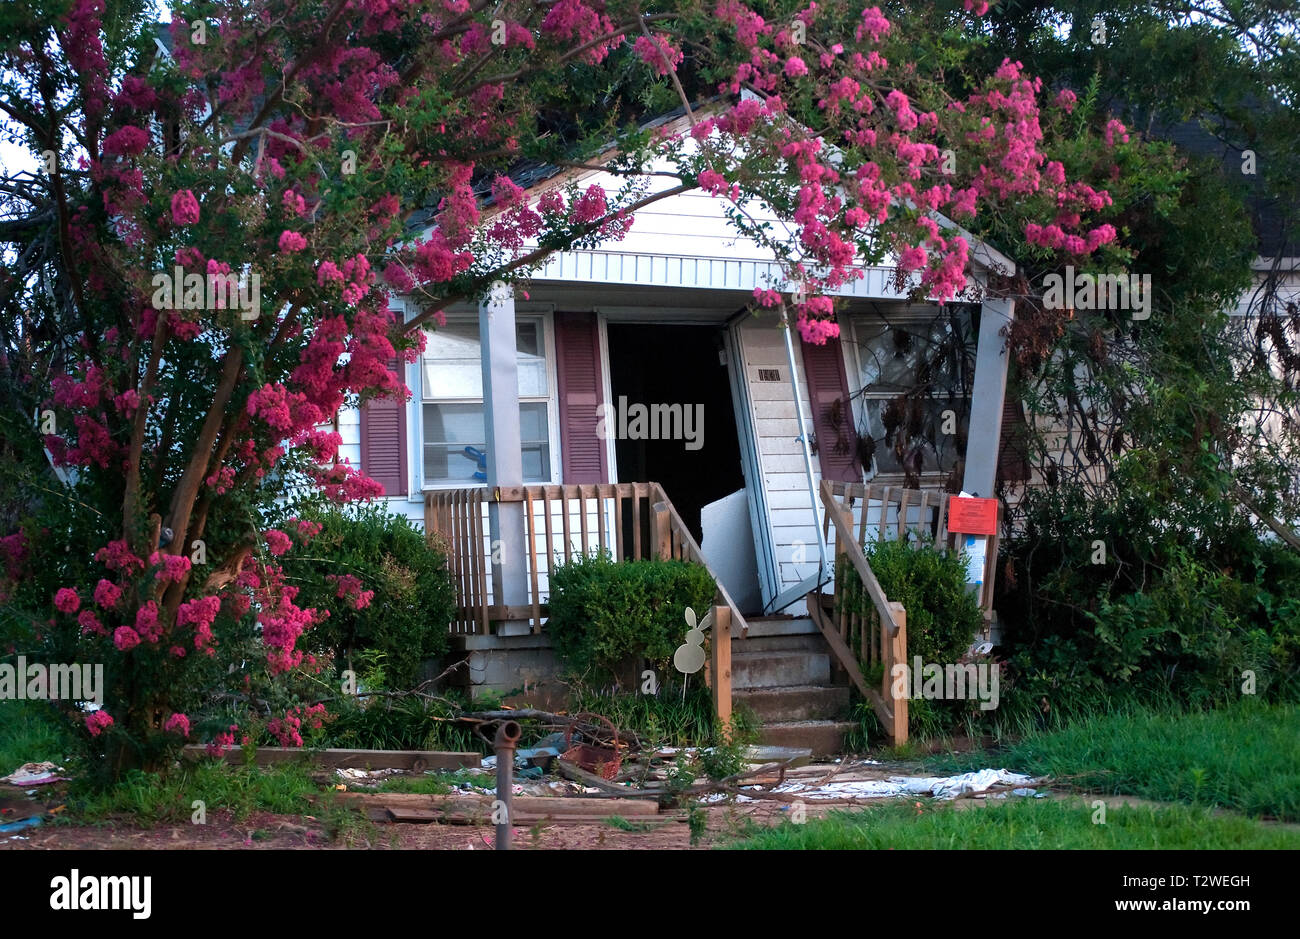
x=942 y=788
x=35 y=774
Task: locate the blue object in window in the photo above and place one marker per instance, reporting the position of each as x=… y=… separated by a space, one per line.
x=481 y=456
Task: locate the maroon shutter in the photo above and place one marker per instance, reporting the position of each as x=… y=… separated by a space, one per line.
x=837 y=441
x=577 y=348
x=1013 y=447
x=383 y=441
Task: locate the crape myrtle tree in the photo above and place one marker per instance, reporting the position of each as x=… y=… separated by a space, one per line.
x=158 y=422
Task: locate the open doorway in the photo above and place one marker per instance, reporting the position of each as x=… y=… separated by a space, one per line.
x=676 y=424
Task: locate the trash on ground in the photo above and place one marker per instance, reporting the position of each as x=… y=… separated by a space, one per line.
x=34 y=774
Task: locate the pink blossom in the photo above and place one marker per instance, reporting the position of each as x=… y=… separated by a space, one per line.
x=98 y=721
x=277 y=542
x=66 y=600
x=90 y=623
x=126 y=141
x=1066 y=100
x=794 y=67
x=658 y=53
x=291 y=241
x=125 y=638
x=185 y=208
x=873 y=24
x=146 y=622
x=1115 y=129
x=177 y=724
x=107 y=594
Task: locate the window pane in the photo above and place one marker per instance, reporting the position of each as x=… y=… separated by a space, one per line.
x=449 y=429
x=537 y=463
x=532 y=421
x=453 y=361
x=454 y=423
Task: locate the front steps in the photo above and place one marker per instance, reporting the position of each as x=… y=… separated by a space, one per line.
x=782 y=672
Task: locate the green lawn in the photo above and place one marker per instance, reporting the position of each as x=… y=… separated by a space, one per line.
x=29 y=733
x=1022 y=824
x=1245 y=758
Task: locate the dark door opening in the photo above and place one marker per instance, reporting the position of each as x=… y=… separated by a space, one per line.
x=672 y=416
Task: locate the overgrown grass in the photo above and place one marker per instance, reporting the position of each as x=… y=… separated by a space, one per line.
x=153 y=799
x=1245 y=757
x=30 y=732
x=438 y=784
x=1022 y=824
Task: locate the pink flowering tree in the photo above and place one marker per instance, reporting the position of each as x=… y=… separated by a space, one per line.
x=204 y=259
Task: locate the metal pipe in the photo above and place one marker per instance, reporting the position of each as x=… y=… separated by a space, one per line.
x=507 y=737
x=803 y=441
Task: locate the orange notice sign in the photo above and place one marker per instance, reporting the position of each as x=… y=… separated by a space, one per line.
x=969 y=516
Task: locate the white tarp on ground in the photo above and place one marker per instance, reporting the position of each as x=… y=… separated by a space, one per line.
x=939 y=787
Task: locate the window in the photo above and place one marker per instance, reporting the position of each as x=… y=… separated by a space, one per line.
x=454 y=427
x=912 y=369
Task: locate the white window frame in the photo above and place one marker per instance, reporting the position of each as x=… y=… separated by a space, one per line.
x=546 y=323
x=860 y=397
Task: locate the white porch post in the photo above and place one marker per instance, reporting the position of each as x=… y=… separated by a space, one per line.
x=984 y=438
x=505 y=465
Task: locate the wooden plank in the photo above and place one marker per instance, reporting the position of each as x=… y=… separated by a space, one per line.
x=550 y=543
x=459 y=554
x=509 y=493
x=582 y=517
x=904 y=497
x=840 y=650
x=897 y=729
x=498 y=611
x=417 y=760
x=721 y=664
x=564 y=518
x=845 y=531
x=553 y=806
x=884 y=513
x=602 y=493
x=618 y=522
x=531 y=528
x=638 y=495
x=660 y=532
x=482 y=561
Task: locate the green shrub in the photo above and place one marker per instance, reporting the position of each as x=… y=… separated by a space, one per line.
x=942 y=616
x=605 y=614
x=1170 y=613
x=405 y=622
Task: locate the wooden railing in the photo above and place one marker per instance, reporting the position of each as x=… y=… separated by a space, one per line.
x=630 y=521
x=880 y=633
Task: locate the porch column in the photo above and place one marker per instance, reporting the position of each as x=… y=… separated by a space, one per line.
x=505 y=464
x=984 y=439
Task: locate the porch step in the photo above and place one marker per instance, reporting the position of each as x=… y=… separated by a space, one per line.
x=779 y=669
x=760 y=626
x=790 y=643
x=796 y=703
x=824 y=738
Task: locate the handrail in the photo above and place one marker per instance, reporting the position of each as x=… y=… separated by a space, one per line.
x=851 y=548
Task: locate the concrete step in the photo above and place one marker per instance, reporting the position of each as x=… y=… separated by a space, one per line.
x=776 y=626
x=797 y=643
x=824 y=738
x=797 y=703
x=778 y=669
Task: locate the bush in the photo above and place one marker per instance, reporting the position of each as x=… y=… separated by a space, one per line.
x=396 y=592
x=605 y=614
x=942 y=616
x=1177 y=613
